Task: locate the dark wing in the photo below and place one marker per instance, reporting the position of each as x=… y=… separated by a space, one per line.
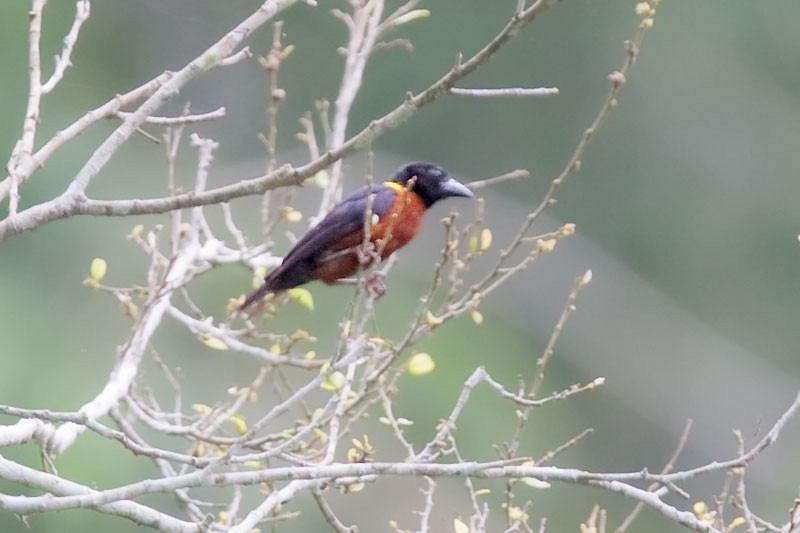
x=338 y=226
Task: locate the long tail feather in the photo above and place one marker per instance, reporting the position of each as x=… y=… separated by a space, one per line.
x=255 y=296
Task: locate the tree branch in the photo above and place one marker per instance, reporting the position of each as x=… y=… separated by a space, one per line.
x=67 y=203
x=73 y=201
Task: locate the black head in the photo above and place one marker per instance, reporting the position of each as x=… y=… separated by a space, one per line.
x=432 y=182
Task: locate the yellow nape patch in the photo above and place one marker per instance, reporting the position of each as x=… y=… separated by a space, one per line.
x=394 y=185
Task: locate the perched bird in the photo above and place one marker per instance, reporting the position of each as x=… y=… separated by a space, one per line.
x=333 y=249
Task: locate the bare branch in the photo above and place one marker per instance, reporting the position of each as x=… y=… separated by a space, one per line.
x=329 y=514
x=34 y=79
x=626 y=523
x=63 y=62
x=311 y=476
x=509 y=176
x=127 y=367
x=66 y=204
x=174 y=121
x=70 y=203
x=60 y=487
x=508 y=91
x=364 y=30
x=743 y=460
x=26 y=166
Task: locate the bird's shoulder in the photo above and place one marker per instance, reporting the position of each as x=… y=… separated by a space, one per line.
x=355 y=205
x=345 y=218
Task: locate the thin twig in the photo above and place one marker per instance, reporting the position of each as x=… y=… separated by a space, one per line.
x=82 y=11
x=509 y=176
x=174 y=121
x=626 y=523
x=507 y=91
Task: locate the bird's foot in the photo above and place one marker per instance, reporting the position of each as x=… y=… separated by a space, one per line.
x=375 y=284
x=366 y=253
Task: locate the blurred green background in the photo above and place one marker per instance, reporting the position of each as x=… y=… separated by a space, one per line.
x=685 y=210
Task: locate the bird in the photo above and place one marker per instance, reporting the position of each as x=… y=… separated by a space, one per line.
x=333 y=250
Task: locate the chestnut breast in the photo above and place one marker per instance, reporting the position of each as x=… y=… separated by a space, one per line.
x=397 y=227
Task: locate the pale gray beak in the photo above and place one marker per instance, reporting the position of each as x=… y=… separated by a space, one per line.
x=453 y=187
